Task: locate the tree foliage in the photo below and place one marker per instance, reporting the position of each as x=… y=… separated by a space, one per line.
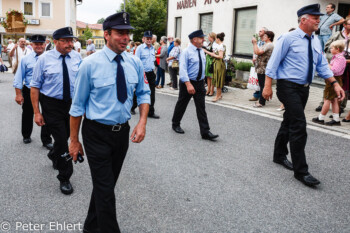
x=100 y=21
x=146 y=15
x=87 y=33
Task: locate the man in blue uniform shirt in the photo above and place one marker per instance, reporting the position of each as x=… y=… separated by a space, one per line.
x=146 y=54
x=104 y=94
x=293 y=62
x=192 y=67
x=54 y=77
x=21 y=84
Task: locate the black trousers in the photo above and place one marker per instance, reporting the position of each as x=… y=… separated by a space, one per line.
x=261 y=79
x=151 y=77
x=27 y=119
x=199 y=101
x=56 y=117
x=105 y=151
x=293 y=127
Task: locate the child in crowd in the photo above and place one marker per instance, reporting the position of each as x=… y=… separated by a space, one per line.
x=337 y=65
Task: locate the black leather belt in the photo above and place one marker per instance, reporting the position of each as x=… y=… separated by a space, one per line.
x=114 y=128
x=293 y=83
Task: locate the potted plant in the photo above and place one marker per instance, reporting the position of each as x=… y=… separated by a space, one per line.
x=242 y=70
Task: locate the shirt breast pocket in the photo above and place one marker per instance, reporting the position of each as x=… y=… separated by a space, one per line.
x=105 y=82
x=53 y=75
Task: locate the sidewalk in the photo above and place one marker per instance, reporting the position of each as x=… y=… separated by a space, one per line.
x=239 y=98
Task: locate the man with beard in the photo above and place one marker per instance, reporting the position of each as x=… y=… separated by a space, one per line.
x=54 y=78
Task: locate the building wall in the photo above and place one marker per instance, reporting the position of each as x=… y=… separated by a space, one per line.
x=63 y=14
x=277 y=15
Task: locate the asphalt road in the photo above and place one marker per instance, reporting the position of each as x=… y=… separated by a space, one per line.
x=180 y=183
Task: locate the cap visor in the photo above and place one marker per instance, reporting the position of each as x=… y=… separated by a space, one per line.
x=123 y=27
x=67 y=36
x=37 y=41
x=316 y=13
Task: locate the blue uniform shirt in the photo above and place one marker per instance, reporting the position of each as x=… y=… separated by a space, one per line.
x=147 y=56
x=48 y=73
x=25 y=71
x=96 y=90
x=189 y=64
x=290 y=58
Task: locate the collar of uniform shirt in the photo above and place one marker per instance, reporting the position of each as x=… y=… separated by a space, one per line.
x=194 y=48
x=302 y=34
x=146 y=47
x=58 y=54
x=111 y=54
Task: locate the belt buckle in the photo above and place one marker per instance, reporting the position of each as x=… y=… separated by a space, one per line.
x=116 y=128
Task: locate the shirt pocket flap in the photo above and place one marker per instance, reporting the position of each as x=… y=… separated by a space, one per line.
x=103 y=82
x=132 y=79
x=298 y=49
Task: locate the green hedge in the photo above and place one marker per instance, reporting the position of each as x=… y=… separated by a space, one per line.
x=242 y=65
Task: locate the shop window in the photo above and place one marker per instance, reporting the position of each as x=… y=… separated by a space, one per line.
x=178 y=24
x=245 y=28
x=206 y=23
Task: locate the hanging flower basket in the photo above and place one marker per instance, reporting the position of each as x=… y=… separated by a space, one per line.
x=15 y=22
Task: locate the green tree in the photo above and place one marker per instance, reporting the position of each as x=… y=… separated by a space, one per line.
x=146 y=15
x=100 y=21
x=87 y=33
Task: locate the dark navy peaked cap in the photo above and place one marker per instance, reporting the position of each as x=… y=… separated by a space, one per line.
x=119 y=21
x=198 y=33
x=66 y=32
x=313 y=9
x=147 y=34
x=37 y=39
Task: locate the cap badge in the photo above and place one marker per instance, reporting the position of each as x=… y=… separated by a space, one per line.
x=70 y=30
x=124 y=16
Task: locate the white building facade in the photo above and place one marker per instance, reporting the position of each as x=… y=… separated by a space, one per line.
x=239 y=19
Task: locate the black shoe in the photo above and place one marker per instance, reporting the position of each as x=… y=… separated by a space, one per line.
x=332 y=122
x=345 y=120
x=209 y=136
x=308 y=180
x=54 y=161
x=318 y=109
x=66 y=187
x=132 y=111
x=48 y=146
x=27 y=140
x=154 y=116
x=178 y=129
x=285 y=163
x=318 y=121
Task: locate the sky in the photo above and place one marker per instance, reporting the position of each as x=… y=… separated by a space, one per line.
x=92 y=10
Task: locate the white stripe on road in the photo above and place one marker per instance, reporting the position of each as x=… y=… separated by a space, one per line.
x=239 y=108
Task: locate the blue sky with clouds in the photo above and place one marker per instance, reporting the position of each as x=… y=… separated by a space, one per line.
x=92 y=10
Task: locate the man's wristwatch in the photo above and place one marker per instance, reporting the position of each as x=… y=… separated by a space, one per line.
x=332 y=83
